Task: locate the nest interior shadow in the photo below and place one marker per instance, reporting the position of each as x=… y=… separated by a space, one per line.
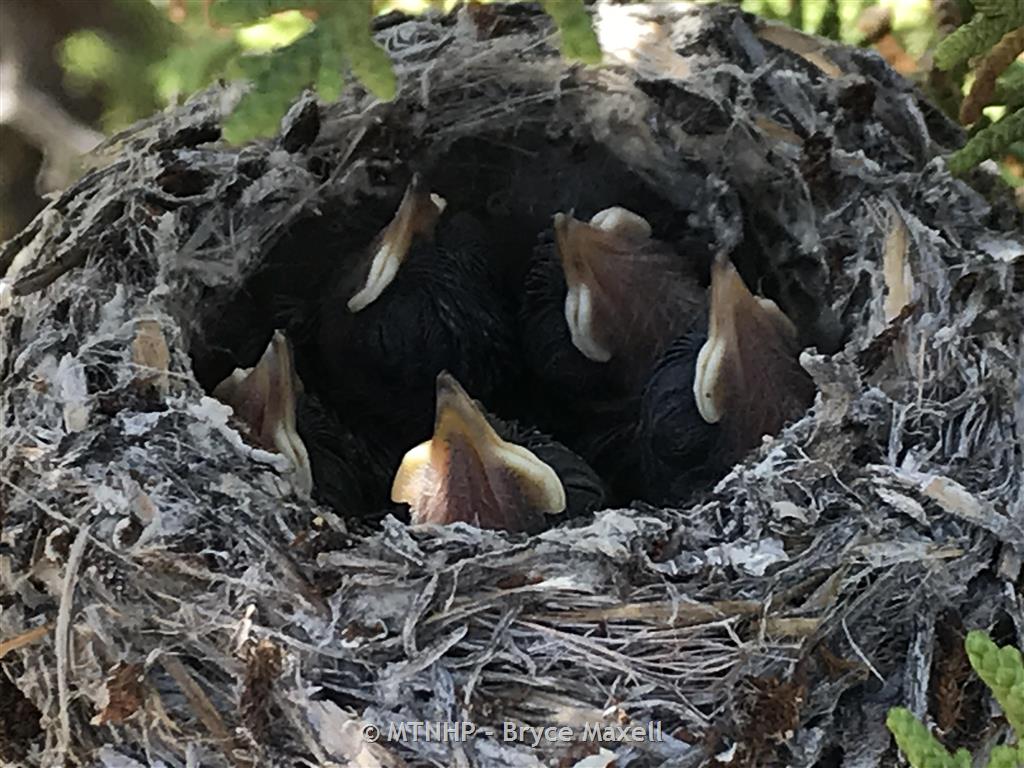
x=512 y=184
x=169 y=598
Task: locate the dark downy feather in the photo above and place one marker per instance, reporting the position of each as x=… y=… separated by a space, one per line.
x=443 y=310
x=548 y=351
x=351 y=472
x=679 y=450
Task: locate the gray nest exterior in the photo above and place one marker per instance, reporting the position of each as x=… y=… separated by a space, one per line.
x=168 y=599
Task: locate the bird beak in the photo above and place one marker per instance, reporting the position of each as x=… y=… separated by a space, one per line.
x=751 y=346
x=592 y=256
x=417 y=216
x=623 y=223
x=573 y=239
x=263 y=397
x=467 y=473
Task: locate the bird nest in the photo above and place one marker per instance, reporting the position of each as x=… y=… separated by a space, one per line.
x=170 y=599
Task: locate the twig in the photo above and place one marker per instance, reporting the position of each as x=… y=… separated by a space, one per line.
x=201 y=705
x=991 y=67
x=860 y=653
x=25 y=638
x=61 y=637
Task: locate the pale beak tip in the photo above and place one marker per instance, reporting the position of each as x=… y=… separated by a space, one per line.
x=446 y=382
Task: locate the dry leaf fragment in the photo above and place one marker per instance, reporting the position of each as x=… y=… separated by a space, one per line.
x=807 y=47
x=899 y=281
x=792 y=627
x=770 y=708
x=201 y=706
x=874 y=354
x=124 y=694
x=777 y=131
x=150 y=353
x=264 y=667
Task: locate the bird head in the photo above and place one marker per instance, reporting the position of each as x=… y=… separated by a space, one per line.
x=627 y=294
x=264 y=398
x=417 y=216
x=467 y=473
x=747 y=377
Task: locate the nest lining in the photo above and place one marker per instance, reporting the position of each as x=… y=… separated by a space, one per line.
x=193 y=607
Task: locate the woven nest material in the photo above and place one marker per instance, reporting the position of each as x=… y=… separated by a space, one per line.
x=169 y=599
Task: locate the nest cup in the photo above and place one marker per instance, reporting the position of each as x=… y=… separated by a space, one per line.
x=168 y=597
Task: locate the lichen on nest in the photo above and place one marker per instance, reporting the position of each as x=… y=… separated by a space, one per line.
x=169 y=599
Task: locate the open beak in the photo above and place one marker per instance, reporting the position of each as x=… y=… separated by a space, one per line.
x=467 y=473
x=747 y=369
x=417 y=216
x=263 y=397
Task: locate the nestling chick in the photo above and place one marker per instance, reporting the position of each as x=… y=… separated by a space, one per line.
x=424 y=298
x=468 y=473
x=343 y=468
x=351 y=469
x=264 y=398
x=602 y=305
x=715 y=393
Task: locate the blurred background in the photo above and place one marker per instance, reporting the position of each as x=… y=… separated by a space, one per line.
x=73 y=72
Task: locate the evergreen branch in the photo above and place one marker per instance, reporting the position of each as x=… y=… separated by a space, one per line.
x=989 y=142
x=276 y=79
x=917 y=743
x=1003 y=757
x=579 y=41
x=976 y=36
x=1010 y=96
x=993 y=8
x=992 y=66
x=1001 y=669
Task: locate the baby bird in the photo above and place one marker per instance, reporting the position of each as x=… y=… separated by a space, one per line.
x=264 y=399
x=342 y=468
x=468 y=472
x=718 y=390
x=601 y=306
x=423 y=298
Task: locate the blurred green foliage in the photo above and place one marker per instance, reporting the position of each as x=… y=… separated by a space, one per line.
x=283 y=46
x=172 y=53
x=341 y=35
x=913 y=21
x=579 y=41
x=1002 y=670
